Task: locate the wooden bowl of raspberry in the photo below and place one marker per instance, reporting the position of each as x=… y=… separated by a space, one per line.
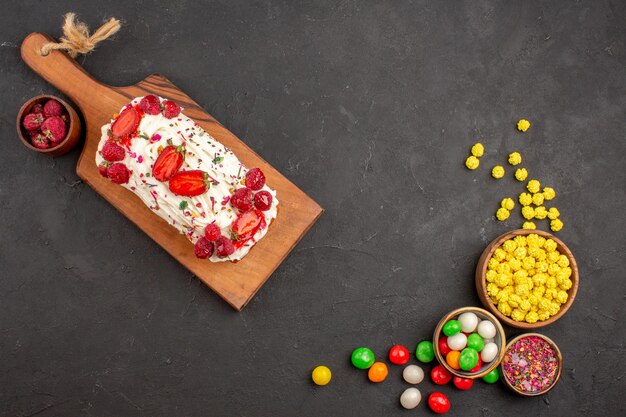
x=49 y=125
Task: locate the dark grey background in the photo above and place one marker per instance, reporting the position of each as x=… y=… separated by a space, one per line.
x=369 y=107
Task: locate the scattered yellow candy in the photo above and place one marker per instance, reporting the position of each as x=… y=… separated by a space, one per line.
x=525 y=199
x=541 y=213
x=528 y=294
x=549 y=193
x=321 y=375
x=556 y=225
x=521 y=174
x=478 y=150
x=553 y=213
x=507 y=203
x=523 y=125
x=528 y=212
x=472 y=162
x=497 y=172
x=533 y=186
x=538 y=199
x=502 y=214
x=529 y=225
x=515 y=158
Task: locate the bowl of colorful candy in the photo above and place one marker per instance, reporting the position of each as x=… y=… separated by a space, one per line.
x=527 y=278
x=531 y=365
x=469 y=342
x=47 y=124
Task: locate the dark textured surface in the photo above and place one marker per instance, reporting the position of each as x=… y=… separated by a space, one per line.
x=370 y=107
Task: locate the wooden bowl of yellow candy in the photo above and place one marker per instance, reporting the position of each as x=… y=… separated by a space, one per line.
x=527 y=278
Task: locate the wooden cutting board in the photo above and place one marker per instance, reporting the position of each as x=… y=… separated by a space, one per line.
x=235 y=282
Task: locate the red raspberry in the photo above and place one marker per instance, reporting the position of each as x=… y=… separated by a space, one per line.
x=54 y=129
x=212 y=232
x=118 y=173
x=170 y=109
x=242 y=199
x=112 y=152
x=37 y=108
x=39 y=140
x=102 y=169
x=33 y=121
x=150 y=104
x=52 y=108
x=224 y=247
x=263 y=200
x=255 y=179
x=203 y=248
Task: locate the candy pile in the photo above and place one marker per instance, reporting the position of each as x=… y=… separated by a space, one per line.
x=468 y=343
x=532 y=202
x=530 y=365
x=46 y=124
x=528 y=278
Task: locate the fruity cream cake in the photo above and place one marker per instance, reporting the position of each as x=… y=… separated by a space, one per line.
x=187 y=177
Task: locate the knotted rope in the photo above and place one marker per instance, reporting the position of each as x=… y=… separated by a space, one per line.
x=76 y=39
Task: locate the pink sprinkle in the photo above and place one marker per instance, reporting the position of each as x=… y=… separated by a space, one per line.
x=140 y=159
x=225 y=200
x=155 y=138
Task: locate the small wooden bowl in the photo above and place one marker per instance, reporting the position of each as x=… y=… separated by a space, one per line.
x=73 y=130
x=558 y=373
x=481 y=284
x=499 y=340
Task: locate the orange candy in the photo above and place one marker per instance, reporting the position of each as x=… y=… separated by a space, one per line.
x=452 y=358
x=377 y=372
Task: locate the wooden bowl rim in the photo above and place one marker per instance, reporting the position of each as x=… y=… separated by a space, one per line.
x=461 y=373
x=481 y=270
x=558 y=354
x=31 y=102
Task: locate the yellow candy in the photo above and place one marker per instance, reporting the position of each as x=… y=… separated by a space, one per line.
x=520 y=241
x=507 y=203
x=525 y=199
x=518 y=315
x=499 y=254
x=492 y=289
x=561 y=296
x=515 y=264
x=493 y=264
x=529 y=225
x=553 y=213
x=550 y=245
x=490 y=275
x=524 y=305
x=321 y=375
x=515 y=158
x=538 y=199
x=502 y=214
x=528 y=263
x=556 y=225
x=553 y=269
x=504 y=308
x=472 y=162
x=563 y=261
x=566 y=285
x=532 y=317
x=497 y=172
x=533 y=186
x=521 y=174
x=509 y=246
x=521 y=252
x=549 y=193
x=523 y=125
x=541 y=213
x=542 y=266
x=478 y=150
x=528 y=212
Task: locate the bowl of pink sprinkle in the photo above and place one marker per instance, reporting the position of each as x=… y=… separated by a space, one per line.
x=531 y=365
x=47 y=124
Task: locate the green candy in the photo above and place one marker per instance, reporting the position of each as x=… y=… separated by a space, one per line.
x=425 y=351
x=468 y=359
x=451 y=328
x=475 y=342
x=492 y=376
x=362 y=358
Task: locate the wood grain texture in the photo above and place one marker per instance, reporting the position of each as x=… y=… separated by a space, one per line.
x=235 y=282
x=481 y=285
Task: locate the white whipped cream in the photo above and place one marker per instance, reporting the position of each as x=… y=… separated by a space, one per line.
x=202 y=152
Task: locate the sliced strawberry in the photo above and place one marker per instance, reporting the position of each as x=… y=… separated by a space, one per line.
x=247 y=224
x=126 y=123
x=189 y=183
x=168 y=163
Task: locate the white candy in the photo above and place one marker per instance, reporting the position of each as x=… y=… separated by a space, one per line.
x=410 y=398
x=489 y=352
x=413 y=374
x=468 y=321
x=457 y=342
x=486 y=329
